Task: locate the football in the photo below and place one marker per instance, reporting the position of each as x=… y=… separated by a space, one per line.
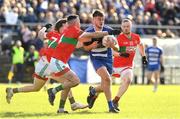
x=108 y=40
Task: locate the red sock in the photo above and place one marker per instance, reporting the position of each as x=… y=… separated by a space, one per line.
x=116 y=99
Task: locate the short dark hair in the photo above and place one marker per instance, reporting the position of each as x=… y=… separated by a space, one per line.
x=59 y=24
x=97 y=13
x=126 y=20
x=72 y=17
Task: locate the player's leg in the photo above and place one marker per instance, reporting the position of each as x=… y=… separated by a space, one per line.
x=36 y=86
x=39 y=80
x=106 y=86
x=156 y=79
x=126 y=76
x=67 y=80
x=64 y=95
x=149 y=76
x=75 y=105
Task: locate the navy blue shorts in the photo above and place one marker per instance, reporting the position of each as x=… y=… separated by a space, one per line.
x=97 y=63
x=153 y=68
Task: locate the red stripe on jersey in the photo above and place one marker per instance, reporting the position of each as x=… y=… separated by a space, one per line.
x=61 y=72
x=39 y=77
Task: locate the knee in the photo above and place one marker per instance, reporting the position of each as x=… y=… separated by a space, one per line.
x=36 y=89
x=76 y=81
x=107 y=81
x=127 y=81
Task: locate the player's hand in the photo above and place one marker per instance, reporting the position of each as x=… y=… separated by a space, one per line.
x=144 y=59
x=125 y=55
x=48 y=25
x=114 y=32
x=94 y=44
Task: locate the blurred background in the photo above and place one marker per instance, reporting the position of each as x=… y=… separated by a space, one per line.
x=20 y=20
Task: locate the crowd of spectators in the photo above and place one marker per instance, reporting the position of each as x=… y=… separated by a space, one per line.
x=147 y=12
x=141 y=12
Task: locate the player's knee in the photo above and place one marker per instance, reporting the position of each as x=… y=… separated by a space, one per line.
x=128 y=81
x=36 y=89
x=76 y=81
x=106 y=81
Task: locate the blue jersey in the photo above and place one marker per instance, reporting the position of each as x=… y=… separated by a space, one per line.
x=100 y=56
x=100 y=51
x=153 y=56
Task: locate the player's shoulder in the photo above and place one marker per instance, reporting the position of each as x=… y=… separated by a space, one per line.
x=90 y=28
x=105 y=27
x=135 y=35
x=160 y=48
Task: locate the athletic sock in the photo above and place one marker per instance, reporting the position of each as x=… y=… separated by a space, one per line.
x=116 y=99
x=93 y=91
x=61 y=104
x=15 y=90
x=57 y=89
x=72 y=100
x=110 y=104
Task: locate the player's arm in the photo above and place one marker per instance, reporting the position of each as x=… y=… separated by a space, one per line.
x=161 y=59
x=91 y=46
x=79 y=44
x=42 y=33
x=143 y=54
x=114 y=45
x=115 y=53
x=87 y=36
x=141 y=49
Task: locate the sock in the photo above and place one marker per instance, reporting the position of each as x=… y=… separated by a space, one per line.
x=110 y=104
x=93 y=91
x=57 y=89
x=15 y=90
x=116 y=99
x=61 y=104
x=72 y=100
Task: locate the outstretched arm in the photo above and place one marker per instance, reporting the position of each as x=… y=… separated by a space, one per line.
x=91 y=46
x=86 y=36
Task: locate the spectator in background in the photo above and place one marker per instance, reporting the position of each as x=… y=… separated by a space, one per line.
x=31 y=17
x=26 y=35
x=41 y=17
x=169 y=34
x=155 y=60
x=22 y=14
x=18 y=60
x=139 y=21
x=31 y=59
x=58 y=15
x=49 y=17
x=154 y=21
x=11 y=16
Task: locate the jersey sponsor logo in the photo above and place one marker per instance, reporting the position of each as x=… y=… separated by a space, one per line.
x=131 y=48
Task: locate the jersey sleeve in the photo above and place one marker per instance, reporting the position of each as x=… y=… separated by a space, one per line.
x=49 y=35
x=73 y=32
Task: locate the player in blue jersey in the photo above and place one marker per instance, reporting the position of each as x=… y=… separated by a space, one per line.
x=154 y=56
x=101 y=58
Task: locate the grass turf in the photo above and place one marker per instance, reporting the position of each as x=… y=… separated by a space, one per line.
x=139 y=102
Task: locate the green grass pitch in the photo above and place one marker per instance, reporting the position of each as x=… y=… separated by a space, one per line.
x=139 y=102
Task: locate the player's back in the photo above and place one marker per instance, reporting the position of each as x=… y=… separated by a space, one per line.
x=67 y=44
x=53 y=38
x=153 y=55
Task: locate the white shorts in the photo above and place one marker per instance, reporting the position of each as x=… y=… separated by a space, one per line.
x=124 y=72
x=58 y=67
x=42 y=69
